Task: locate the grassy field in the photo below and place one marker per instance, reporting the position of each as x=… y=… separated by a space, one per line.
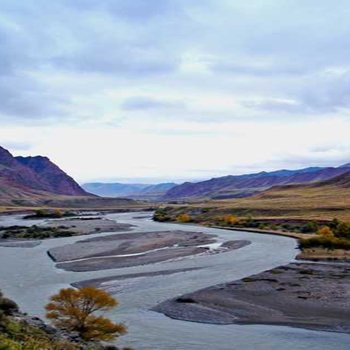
x=309 y=202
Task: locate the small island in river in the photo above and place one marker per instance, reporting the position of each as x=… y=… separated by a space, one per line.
x=132 y=249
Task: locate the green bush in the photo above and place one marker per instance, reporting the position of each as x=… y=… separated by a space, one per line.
x=325 y=242
x=310 y=227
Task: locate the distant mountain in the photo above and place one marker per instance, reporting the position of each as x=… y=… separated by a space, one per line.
x=33 y=177
x=136 y=191
x=246 y=185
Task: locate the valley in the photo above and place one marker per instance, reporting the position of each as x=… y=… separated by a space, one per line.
x=140 y=288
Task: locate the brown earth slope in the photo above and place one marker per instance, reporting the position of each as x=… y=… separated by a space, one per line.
x=320 y=201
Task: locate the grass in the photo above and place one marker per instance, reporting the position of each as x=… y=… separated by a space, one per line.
x=308 y=202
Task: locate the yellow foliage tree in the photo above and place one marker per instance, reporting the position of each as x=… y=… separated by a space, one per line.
x=74 y=310
x=325 y=231
x=58 y=213
x=184 y=218
x=231 y=220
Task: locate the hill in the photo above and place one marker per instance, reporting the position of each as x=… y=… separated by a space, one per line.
x=247 y=185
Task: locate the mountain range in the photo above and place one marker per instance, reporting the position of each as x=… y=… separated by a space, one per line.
x=33 y=178
x=319 y=200
x=135 y=191
x=238 y=186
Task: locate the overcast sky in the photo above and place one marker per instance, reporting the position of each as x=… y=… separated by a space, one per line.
x=155 y=90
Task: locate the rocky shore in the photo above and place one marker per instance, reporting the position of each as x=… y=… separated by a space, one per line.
x=306 y=295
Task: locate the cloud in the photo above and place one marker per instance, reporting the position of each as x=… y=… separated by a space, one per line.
x=148 y=103
x=16 y=146
x=194 y=66
x=132 y=10
x=320 y=93
x=256 y=52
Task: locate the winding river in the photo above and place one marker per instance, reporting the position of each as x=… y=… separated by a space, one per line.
x=28 y=276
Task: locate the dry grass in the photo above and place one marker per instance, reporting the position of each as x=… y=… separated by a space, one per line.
x=297 y=202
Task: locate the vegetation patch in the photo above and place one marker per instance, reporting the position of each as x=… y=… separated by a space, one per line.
x=49 y=214
x=34 y=232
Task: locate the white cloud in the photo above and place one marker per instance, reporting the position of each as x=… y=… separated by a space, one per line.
x=175 y=88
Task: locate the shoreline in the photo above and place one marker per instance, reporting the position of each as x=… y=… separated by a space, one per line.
x=304 y=295
x=314 y=254
x=262 y=231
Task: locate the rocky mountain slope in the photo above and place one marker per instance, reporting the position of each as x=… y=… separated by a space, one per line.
x=22 y=177
x=49 y=173
x=246 y=185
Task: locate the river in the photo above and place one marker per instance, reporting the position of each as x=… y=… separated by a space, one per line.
x=28 y=276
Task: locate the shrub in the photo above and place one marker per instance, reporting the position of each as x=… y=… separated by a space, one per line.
x=326 y=242
x=325 y=231
x=7 y=306
x=342 y=230
x=230 y=220
x=161 y=215
x=310 y=227
x=184 y=218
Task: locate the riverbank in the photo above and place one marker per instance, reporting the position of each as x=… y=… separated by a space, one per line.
x=317 y=253
x=312 y=296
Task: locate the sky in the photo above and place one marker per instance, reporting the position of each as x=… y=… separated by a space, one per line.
x=175 y=90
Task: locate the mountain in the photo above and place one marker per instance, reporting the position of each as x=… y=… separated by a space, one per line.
x=137 y=191
x=33 y=177
x=246 y=185
x=49 y=173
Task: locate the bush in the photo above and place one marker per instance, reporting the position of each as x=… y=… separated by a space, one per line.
x=342 y=230
x=310 y=227
x=161 y=215
x=230 y=220
x=325 y=242
x=184 y=218
x=325 y=231
x=7 y=306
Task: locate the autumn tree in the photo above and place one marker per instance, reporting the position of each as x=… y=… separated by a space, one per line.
x=231 y=220
x=325 y=231
x=184 y=218
x=79 y=310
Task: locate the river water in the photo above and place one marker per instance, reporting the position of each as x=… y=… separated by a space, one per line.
x=28 y=276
